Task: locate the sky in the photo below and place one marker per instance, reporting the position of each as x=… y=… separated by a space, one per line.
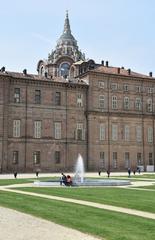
x=118 y=31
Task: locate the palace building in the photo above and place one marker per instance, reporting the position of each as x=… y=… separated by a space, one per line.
x=74 y=105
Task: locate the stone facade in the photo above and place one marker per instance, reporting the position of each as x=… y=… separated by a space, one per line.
x=104 y=113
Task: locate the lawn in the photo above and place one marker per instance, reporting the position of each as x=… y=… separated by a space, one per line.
x=151 y=187
x=102 y=223
x=4 y=182
x=135 y=199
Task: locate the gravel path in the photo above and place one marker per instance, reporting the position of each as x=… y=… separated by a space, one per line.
x=20 y=226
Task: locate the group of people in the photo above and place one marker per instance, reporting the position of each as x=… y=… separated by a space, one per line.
x=15 y=174
x=108 y=173
x=65 y=180
x=134 y=171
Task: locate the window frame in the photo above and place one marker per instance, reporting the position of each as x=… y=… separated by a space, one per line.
x=15 y=158
x=36 y=157
x=37 y=128
x=57 y=130
x=16 y=128
x=16 y=95
x=114 y=103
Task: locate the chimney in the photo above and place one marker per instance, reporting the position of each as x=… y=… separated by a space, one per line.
x=3 y=69
x=129 y=71
x=118 y=70
x=106 y=63
x=25 y=71
x=150 y=74
x=102 y=62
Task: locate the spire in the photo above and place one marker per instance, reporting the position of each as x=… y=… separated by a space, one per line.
x=67 y=29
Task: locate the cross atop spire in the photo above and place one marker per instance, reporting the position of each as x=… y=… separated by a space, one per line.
x=67 y=29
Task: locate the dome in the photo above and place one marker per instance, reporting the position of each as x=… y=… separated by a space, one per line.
x=66 y=46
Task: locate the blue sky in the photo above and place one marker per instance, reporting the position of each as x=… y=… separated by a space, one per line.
x=120 y=31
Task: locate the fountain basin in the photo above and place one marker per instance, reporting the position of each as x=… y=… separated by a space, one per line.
x=86 y=182
x=102 y=182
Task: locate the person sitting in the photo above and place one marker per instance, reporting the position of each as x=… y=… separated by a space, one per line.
x=69 y=180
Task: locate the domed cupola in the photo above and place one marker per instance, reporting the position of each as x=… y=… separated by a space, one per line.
x=65 y=53
x=66 y=46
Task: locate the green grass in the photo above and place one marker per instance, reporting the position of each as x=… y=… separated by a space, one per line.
x=151 y=187
x=134 y=199
x=102 y=223
x=137 y=176
x=4 y=182
x=149 y=176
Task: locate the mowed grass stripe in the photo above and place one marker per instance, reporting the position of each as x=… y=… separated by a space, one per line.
x=102 y=223
x=134 y=199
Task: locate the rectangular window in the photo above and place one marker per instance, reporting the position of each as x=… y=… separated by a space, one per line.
x=101 y=101
x=16 y=128
x=37 y=129
x=101 y=84
x=139 y=134
x=114 y=159
x=114 y=132
x=150 y=89
x=114 y=86
x=102 y=159
x=17 y=95
x=38 y=96
x=126 y=88
x=58 y=98
x=15 y=157
x=126 y=103
x=36 y=157
x=57 y=157
x=150 y=158
x=139 y=159
x=138 y=89
x=80 y=100
x=57 y=127
x=149 y=105
x=102 y=132
x=127 y=159
x=114 y=102
x=150 y=135
x=138 y=104
x=80 y=135
x=126 y=133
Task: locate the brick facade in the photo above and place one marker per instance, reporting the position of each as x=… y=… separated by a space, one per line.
x=104 y=113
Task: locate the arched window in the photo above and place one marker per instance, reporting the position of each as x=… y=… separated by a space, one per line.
x=64 y=70
x=42 y=71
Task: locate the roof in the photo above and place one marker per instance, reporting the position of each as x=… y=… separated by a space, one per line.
x=118 y=71
x=79 y=62
x=22 y=76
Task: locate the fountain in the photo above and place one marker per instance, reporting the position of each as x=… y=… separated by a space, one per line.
x=80 y=180
x=79 y=170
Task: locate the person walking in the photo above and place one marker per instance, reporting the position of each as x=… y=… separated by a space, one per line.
x=15 y=174
x=129 y=172
x=108 y=173
x=63 y=179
